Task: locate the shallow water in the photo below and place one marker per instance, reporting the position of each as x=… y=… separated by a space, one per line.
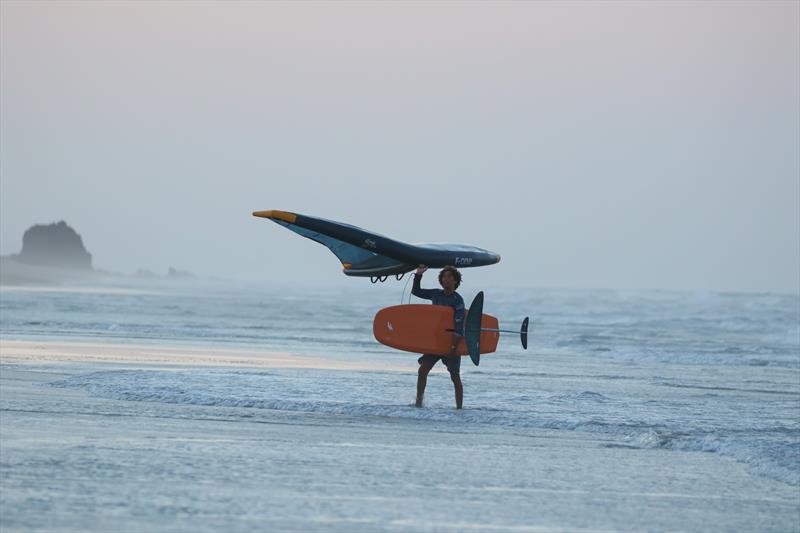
x=710 y=372
x=676 y=373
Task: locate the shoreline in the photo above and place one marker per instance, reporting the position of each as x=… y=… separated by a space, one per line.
x=44 y=352
x=81 y=459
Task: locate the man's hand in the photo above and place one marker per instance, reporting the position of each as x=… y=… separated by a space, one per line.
x=456 y=340
x=421 y=269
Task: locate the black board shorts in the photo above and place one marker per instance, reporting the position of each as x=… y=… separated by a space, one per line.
x=452 y=363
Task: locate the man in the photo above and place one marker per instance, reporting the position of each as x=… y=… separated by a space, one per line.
x=449 y=279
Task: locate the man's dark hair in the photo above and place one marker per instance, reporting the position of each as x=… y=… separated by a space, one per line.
x=454 y=271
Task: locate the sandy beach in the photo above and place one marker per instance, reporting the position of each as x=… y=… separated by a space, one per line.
x=78 y=458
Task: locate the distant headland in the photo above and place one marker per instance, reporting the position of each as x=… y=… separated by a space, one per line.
x=54 y=245
x=55 y=253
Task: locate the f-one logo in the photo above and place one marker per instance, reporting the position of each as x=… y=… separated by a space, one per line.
x=463 y=261
x=389 y=325
x=369 y=243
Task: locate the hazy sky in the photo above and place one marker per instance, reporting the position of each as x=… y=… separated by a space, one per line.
x=597 y=144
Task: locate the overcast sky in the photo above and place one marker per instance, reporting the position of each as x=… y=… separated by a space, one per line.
x=596 y=144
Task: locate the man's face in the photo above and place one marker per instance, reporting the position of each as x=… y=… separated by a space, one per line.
x=448 y=281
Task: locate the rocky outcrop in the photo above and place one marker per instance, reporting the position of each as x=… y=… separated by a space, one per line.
x=54 y=254
x=174 y=273
x=54 y=245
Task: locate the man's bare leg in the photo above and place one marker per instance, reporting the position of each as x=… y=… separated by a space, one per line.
x=422 y=380
x=456 y=377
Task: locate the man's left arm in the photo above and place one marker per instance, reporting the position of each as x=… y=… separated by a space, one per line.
x=458 y=327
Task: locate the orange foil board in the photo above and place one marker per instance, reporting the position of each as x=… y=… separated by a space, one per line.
x=422 y=328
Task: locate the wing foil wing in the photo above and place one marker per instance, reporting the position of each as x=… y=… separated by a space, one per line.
x=355 y=260
x=365 y=253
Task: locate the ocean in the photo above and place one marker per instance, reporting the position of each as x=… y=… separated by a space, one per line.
x=713 y=376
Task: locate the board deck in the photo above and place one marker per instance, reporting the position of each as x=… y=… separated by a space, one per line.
x=422 y=328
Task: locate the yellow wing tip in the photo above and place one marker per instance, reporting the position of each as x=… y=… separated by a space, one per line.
x=279 y=215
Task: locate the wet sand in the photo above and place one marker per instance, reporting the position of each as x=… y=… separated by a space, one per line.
x=73 y=460
x=141 y=354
